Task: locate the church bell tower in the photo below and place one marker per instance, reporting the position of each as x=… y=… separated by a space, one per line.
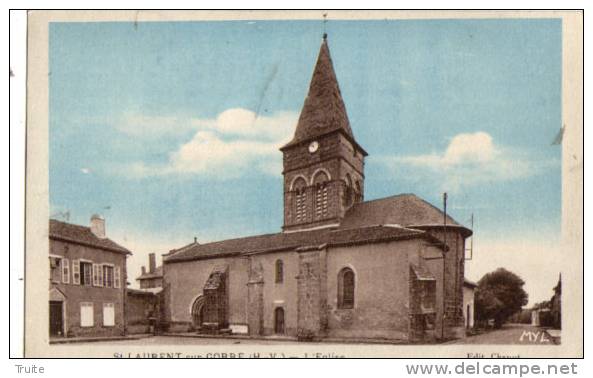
x=323 y=163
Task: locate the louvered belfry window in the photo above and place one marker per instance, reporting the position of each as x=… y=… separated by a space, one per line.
x=321 y=195
x=301 y=205
x=321 y=201
x=299 y=188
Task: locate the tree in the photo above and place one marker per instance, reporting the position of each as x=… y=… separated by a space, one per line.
x=498 y=296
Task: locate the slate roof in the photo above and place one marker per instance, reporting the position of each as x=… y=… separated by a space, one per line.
x=158 y=273
x=398 y=217
x=407 y=210
x=469 y=283
x=323 y=111
x=141 y=292
x=294 y=240
x=74 y=233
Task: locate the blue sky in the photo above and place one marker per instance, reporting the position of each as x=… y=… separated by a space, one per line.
x=171 y=129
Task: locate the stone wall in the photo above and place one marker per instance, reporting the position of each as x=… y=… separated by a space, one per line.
x=278 y=294
x=255 y=298
x=381 y=290
x=140 y=307
x=312 y=303
x=454 y=277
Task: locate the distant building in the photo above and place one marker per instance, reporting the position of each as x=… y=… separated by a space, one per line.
x=549 y=313
x=469 y=289
x=540 y=317
x=342 y=267
x=154 y=277
x=87 y=280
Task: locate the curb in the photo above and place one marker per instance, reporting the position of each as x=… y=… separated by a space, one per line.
x=96 y=339
x=287 y=339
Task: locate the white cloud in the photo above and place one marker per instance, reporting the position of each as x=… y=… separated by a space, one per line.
x=245 y=123
x=85 y=171
x=144 y=126
x=230 y=145
x=471 y=159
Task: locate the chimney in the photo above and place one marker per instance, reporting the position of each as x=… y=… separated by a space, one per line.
x=151 y=263
x=143 y=270
x=98 y=226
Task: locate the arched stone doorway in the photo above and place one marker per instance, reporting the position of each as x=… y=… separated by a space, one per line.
x=197 y=312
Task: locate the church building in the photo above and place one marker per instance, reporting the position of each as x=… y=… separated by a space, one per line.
x=342 y=267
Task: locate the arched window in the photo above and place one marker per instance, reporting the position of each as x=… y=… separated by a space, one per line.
x=279 y=271
x=300 y=199
x=346 y=285
x=348 y=191
x=321 y=192
x=358 y=189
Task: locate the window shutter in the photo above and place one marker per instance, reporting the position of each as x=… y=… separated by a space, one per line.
x=116 y=278
x=65 y=271
x=86 y=314
x=100 y=274
x=108 y=314
x=76 y=272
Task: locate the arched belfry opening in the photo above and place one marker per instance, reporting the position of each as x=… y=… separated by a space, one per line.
x=300 y=199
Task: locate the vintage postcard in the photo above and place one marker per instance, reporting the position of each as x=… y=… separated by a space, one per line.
x=304 y=184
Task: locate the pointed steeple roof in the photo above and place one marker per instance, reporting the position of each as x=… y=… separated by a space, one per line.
x=324 y=110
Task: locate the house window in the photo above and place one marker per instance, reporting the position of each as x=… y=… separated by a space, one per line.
x=86 y=273
x=107 y=276
x=55 y=270
x=97 y=275
x=108 y=314
x=86 y=314
x=65 y=271
x=279 y=271
x=346 y=285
